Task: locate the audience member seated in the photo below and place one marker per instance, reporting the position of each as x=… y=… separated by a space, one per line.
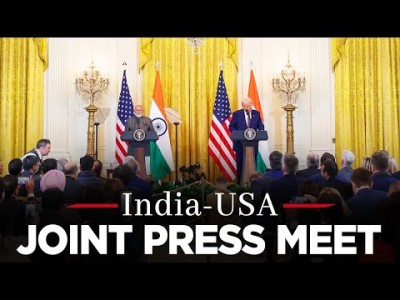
x=329 y=170
x=391 y=224
x=30 y=165
x=98 y=168
x=317 y=178
x=285 y=189
x=312 y=166
x=275 y=160
x=53 y=179
x=15 y=167
x=72 y=191
x=366 y=202
x=87 y=177
x=345 y=172
x=49 y=164
x=135 y=181
x=14 y=207
x=61 y=162
x=394 y=187
x=366 y=163
x=8 y=242
x=381 y=177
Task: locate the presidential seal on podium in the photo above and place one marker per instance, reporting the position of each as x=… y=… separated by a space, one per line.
x=249 y=134
x=139 y=135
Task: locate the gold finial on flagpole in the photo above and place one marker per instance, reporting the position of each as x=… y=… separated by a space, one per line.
x=158 y=65
x=251 y=64
x=221 y=65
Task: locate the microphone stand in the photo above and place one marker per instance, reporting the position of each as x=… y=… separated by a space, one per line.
x=97 y=139
x=176 y=153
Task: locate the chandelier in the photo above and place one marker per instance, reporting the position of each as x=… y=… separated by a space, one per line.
x=289 y=84
x=195 y=43
x=91 y=85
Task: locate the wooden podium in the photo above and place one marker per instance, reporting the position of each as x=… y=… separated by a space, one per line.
x=249 y=165
x=138 y=141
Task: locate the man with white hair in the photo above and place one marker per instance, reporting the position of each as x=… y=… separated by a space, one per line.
x=347 y=161
x=244 y=118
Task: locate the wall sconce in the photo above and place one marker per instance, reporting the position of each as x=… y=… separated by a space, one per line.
x=91 y=86
x=288 y=86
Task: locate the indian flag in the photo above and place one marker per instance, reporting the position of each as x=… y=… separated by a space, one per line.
x=161 y=163
x=263 y=152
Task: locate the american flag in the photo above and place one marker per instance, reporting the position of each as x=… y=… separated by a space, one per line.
x=125 y=111
x=219 y=143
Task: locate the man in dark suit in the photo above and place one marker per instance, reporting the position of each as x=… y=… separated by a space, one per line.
x=139 y=121
x=241 y=120
x=367 y=202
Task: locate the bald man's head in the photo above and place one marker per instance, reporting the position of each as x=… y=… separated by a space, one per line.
x=71 y=169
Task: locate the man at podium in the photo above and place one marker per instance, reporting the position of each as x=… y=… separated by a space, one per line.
x=244 y=118
x=139 y=121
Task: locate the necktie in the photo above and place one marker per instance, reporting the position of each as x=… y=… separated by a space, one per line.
x=248 y=120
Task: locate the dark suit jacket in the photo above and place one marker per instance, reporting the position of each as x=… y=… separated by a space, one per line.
x=307 y=173
x=238 y=122
x=365 y=205
x=134 y=123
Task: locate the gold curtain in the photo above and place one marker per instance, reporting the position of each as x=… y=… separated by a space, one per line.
x=189 y=85
x=22 y=65
x=367 y=109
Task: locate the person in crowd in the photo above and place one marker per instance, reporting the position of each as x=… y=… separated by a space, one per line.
x=312 y=166
x=345 y=172
x=15 y=167
x=381 y=177
x=275 y=160
x=42 y=149
x=366 y=201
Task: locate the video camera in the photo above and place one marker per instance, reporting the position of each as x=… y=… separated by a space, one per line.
x=193 y=171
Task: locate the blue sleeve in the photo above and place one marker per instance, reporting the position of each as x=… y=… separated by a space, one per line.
x=233 y=123
x=260 y=124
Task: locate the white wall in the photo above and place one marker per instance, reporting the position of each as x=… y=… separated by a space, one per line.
x=65 y=116
x=66 y=119
x=314 y=118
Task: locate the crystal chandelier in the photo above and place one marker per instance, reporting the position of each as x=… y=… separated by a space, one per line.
x=195 y=43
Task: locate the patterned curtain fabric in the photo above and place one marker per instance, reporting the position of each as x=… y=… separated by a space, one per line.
x=189 y=84
x=22 y=65
x=367 y=109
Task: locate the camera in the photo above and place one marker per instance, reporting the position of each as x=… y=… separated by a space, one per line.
x=192 y=170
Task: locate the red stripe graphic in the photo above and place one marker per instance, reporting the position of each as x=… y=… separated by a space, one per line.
x=93 y=205
x=307 y=205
